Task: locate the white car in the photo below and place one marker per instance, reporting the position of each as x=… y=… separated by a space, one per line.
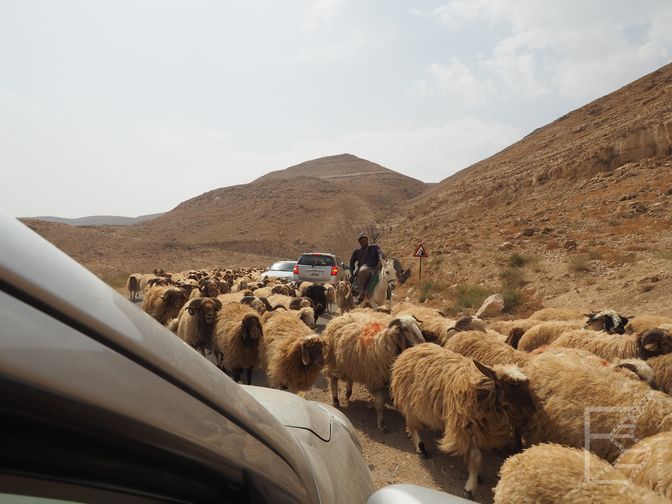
x=318 y=267
x=280 y=269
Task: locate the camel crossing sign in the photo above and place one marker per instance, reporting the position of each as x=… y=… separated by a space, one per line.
x=421 y=252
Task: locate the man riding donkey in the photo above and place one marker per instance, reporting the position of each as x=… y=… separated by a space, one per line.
x=368 y=258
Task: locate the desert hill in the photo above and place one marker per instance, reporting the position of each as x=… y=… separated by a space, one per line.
x=317 y=205
x=586 y=200
x=98 y=220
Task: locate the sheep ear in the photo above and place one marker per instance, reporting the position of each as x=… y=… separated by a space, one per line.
x=305 y=355
x=394 y=322
x=191 y=311
x=489 y=372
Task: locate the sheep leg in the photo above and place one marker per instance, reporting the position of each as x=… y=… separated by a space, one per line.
x=249 y=376
x=348 y=389
x=237 y=372
x=474 y=460
x=413 y=431
x=333 y=388
x=379 y=405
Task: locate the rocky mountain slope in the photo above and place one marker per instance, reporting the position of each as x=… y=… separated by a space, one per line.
x=586 y=202
x=98 y=220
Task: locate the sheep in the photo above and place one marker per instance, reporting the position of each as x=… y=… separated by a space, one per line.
x=343 y=296
x=437 y=389
x=608 y=321
x=553 y=473
x=662 y=372
x=573 y=395
x=445 y=328
x=196 y=323
x=330 y=295
x=239 y=339
x=485 y=348
x=163 y=303
x=641 y=323
x=133 y=285
x=648 y=463
x=506 y=326
x=294 y=354
x=545 y=333
x=305 y=315
x=362 y=347
x=611 y=346
x=269 y=290
x=316 y=293
x=547 y=314
x=421 y=312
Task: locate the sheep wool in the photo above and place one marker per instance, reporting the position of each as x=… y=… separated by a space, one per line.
x=485 y=348
x=239 y=339
x=361 y=347
x=574 y=394
x=163 y=302
x=641 y=323
x=662 y=372
x=545 y=333
x=294 y=354
x=547 y=314
x=648 y=463
x=615 y=346
x=443 y=391
x=548 y=473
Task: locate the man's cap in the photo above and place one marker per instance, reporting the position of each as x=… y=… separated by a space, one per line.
x=362 y=235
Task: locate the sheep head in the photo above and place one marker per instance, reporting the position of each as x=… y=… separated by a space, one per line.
x=312 y=351
x=405 y=332
x=608 y=321
x=207 y=307
x=210 y=288
x=307 y=316
x=506 y=386
x=175 y=297
x=280 y=289
x=654 y=342
x=252 y=331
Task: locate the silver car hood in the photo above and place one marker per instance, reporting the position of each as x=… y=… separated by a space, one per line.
x=42 y=275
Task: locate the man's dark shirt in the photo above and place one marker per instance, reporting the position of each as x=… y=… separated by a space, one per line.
x=365 y=256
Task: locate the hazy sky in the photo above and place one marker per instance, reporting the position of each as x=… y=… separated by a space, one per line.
x=130 y=107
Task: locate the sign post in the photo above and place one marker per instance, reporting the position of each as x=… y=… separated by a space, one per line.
x=420 y=253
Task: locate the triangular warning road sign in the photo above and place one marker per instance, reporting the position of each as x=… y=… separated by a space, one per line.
x=420 y=251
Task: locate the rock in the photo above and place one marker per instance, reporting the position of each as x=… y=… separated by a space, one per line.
x=506 y=246
x=568 y=244
x=491 y=307
x=529 y=231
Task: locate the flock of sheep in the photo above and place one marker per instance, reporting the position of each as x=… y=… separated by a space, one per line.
x=584 y=399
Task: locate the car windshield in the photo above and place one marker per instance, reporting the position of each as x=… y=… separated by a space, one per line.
x=316 y=260
x=283 y=266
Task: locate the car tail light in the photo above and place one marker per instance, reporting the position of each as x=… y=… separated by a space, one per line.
x=296 y=269
x=334 y=270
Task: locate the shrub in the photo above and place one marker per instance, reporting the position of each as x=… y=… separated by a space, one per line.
x=427 y=290
x=469 y=296
x=595 y=254
x=512 y=298
x=579 y=263
x=512 y=278
x=517 y=261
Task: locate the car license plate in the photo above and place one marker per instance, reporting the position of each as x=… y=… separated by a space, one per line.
x=314 y=273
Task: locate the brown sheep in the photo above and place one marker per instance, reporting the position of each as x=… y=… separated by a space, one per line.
x=164 y=303
x=612 y=346
x=196 y=323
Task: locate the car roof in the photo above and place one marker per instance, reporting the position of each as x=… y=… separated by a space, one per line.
x=319 y=254
x=34 y=270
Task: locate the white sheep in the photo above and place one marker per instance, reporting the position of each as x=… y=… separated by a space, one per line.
x=163 y=303
x=239 y=339
x=641 y=323
x=361 y=347
x=294 y=354
x=133 y=285
x=573 y=394
x=440 y=390
x=649 y=344
x=343 y=296
x=548 y=314
x=545 y=333
x=548 y=473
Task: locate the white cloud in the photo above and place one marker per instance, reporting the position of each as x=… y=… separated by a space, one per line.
x=319 y=13
x=343 y=51
x=575 y=48
x=456 y=81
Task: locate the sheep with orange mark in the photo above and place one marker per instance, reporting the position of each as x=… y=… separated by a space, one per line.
x=361 y=347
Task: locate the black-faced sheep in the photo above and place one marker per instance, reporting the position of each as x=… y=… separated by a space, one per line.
x=608 y=321
x=440 y=390
x=239 y=339
x=362 y=347
x=164 y=303
x=548 y=473
x=294 y=354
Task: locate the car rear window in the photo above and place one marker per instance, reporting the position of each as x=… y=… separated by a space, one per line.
x=283 y=266
x=316 y=260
